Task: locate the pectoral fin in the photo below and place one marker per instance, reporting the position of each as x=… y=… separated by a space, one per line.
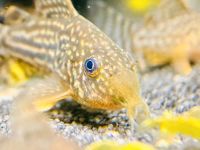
x=55 y=8
x=30 y=128
x=180 y=58
x=45 y=92
x=182 y=66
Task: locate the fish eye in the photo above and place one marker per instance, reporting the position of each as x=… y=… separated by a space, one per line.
x=91 y=67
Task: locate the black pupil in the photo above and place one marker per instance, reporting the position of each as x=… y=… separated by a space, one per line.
x=90 y=65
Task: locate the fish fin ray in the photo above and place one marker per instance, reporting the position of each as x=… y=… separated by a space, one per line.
x=55 y=8
x=15 y=15
x=45 y=92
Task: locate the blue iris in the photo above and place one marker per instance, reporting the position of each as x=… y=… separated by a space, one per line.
x=90 y=65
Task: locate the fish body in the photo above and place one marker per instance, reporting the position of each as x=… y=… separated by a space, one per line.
x=87 y=65
x=169 y=34
x=174 y=41
x=118 y=24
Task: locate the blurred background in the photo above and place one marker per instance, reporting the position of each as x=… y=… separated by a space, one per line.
x=83 y=6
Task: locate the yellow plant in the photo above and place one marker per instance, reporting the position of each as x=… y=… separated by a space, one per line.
x=187 y=123
x=19 y=72
x=110 y=145
x=141 y=6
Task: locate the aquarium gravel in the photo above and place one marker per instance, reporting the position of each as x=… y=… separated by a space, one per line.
x=162 y=89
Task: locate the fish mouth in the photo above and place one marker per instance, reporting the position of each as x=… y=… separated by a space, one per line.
x=126 y=89
x=125 y=85
x=123 y=92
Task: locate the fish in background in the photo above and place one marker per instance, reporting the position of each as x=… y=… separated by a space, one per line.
x=155 y=37
x=171 y=35
x=118 y=23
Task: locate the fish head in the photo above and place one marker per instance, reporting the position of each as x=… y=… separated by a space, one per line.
x=103 y=75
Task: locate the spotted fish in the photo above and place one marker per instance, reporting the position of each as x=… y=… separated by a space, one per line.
x=169 y=34
x=79 y=60
x=120 y=25
x=171 y=38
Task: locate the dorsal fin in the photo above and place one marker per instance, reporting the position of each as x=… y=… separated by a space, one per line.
x=55 y=8
x=14 y=15
x=167 y=9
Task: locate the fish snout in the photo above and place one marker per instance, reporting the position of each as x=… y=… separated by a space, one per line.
x=125 y=84
x=126 y=88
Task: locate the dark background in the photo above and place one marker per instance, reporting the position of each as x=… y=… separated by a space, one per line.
x=80 y=5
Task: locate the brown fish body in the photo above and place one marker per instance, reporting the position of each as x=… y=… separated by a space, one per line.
x=173 y=41
x=46 y=44
x=88 y=66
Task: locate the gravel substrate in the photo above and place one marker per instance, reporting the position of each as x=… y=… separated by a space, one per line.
x=161 y=88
